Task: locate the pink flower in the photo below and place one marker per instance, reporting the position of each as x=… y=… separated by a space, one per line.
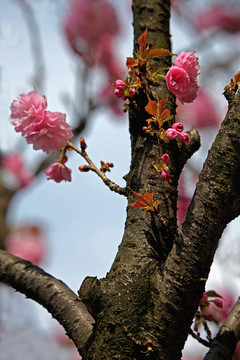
x=202 y=113
x=183 y=137
x=165 y=158
x=219 y=16
x=166 y=176
x=13 y=163
x=178 y=126
x=27 y=243
x=58 y=172
x=46 y=130
x=173 y=133
x=181 y=79
x=90 y=27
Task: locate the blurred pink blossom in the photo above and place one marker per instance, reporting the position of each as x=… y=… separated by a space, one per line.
x=58 y=172
x=27 y=243
x=202 y=113
x=219 y=16
x=182 y=201
x=46 y=130
x=90 y=28
x=13 y=163
x=181 y=79
x=108 y=97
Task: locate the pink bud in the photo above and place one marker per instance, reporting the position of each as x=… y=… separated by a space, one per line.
x=183 y=137
x=171 y=134
x=165 y=158
x=132 y=92
x=166 y=176
x=218 y=303
x=120 y=84
x=178 y=126
x=208 y=317
x=119 y=92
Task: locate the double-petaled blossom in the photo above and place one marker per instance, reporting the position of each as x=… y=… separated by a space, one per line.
x=181 y=79
x=58 y=171
x=176 y=131
x=44 y=129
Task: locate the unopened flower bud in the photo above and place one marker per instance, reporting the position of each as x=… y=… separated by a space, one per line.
x=218 y=303
x=132 y=92
x=84 y=168
x=166 y=176
x=83 y=144
x=178 y=126
x=165 y=158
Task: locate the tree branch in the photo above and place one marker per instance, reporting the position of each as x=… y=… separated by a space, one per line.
x=224 y=344
x=61 y=302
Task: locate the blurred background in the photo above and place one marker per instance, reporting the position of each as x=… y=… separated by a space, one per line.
x=73 y=229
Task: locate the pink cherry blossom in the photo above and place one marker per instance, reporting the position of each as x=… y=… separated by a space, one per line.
x=166 y=176
x=181 y=79
x=219 y=16
x=90 y=28
x=172 y=133
x=27 y=243
x=165 y=158
x=46 y=130
x=58 y=172
x=13 y=163
x=178 y=126
x=202 y=113
x=28 y=108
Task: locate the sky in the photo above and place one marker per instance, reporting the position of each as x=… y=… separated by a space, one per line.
x=83 y=221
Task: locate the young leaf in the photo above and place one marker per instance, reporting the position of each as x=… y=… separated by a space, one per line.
x=151 y=107
x=158 y=52
x=145 y=202
x=142 y=40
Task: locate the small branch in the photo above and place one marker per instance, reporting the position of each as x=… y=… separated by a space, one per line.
x=61 y=302
x=198 y=338
x=112 y=186
x=224 y=344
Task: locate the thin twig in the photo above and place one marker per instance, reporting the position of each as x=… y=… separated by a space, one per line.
x=199 y=339
x=112 y=186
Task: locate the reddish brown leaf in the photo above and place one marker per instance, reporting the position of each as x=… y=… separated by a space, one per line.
x=158 y=52
x=151 y=107
x=131 y=62
x=142 y=40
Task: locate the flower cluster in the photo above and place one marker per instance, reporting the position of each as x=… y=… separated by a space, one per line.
x=181 y=79
x=58 y=171
x=176 y=131
x=44 y=129
x=123 y=90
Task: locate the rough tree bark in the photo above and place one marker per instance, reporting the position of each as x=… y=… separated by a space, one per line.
x=144 y=307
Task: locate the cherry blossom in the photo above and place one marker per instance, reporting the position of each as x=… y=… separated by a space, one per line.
x=27 y=243
x=58 y=172
x=13 y=163
x=181 y=79
x=219 y=16
x=46 y=130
